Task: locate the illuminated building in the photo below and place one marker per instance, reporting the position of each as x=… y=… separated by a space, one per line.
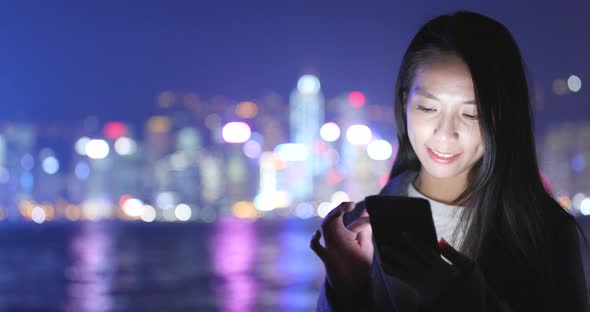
x=306 y=116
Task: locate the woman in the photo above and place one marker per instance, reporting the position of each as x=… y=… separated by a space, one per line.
x=466 y=145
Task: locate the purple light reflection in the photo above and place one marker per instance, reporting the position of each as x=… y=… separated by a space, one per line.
x=233 y=247
x=90 y=279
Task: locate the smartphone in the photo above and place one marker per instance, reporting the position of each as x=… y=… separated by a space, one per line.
x=390 y=216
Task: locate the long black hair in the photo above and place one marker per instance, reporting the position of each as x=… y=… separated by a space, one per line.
x=505 y=196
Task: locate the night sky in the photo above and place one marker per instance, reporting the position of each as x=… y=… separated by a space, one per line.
x=63 y=61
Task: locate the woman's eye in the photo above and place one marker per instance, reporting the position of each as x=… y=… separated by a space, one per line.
x=425 y=109
x=469 y=116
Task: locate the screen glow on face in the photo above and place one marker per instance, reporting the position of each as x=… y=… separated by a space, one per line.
x=442 y=121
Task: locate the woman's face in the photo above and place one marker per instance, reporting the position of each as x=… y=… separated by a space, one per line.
x=442 y=118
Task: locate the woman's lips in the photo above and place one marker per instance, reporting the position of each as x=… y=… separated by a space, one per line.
x=441 y=157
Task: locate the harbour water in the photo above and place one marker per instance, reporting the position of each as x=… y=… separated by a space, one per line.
x=229 y=265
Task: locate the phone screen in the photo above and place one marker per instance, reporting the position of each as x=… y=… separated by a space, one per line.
x=390 y=216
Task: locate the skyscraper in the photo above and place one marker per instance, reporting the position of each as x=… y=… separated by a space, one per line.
x=306 y=107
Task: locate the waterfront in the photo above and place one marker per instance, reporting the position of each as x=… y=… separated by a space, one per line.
x=230 y=265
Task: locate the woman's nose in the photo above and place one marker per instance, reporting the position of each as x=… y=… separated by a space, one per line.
x=446 y=129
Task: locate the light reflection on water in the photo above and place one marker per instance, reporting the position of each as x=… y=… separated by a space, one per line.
x=233 y=247
x=90 y=283
x=229 y=266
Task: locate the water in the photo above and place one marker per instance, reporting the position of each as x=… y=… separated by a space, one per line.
x=230 y=265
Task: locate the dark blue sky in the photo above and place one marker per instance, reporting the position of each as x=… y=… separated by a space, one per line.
x=62 y=61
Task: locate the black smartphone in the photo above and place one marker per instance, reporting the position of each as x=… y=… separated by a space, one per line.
x=390 y=216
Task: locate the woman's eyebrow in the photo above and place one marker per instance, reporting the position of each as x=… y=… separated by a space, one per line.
x=426 y=94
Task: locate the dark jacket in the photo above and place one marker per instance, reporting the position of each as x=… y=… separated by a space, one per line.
x=497 y=281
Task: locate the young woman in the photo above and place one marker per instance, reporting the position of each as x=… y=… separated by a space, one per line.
x=466 y=145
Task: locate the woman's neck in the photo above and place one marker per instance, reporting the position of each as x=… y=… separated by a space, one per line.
x=445 y=190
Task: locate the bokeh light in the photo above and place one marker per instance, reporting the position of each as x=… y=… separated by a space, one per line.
x=183 y=212
x=325 y=208
x=308 y=84
x=246 y=110
x=292 y=151
x=159 y=124
x=577 y=200
x=133 y=207
x=97 y=149
x=236 y=132
x=27 y=162
x=82 y=170
x=330 y=132
x=379 y=150
x=38 y=215
x=356 y=99
x=81 y=145
x=304 y=210
x=359 y=135
x=125 y=146
x=50 y=165
x=114 y=130
x=148 y=214
x=252 y=149
x=574 y=83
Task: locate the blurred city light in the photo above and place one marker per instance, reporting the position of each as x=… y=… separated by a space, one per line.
x=125 y=146
x=38 y=215
x=27 y=162
x=50 y=165
x=236 y=132
x=585 y=206
x=246 y=110
x=379 y=150
x=356 y=99
x=114 y=130
x=308 y=84
x=148 y=214
x=81 y=145
x=577 y=200
x=359 y=135
x=325 y=208
x=183 y=212
x=304 y=210
x=252 y=149
x=245 y=210
x=97 y=149
x=133 y=207
x=272 y=200
x=159 y=124
x=82 y=170
x=292 y=151
x=330 y=132
x=165 y=200
x=574 y=83
x=560 y=87
x=340 y=197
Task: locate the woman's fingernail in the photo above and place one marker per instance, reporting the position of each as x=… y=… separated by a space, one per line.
x=442 y=245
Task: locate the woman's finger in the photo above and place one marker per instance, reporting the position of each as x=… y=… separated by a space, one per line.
x=337 y=213
x=315 y=245
x=333 y=227
x=360 y=224
x=365 y=237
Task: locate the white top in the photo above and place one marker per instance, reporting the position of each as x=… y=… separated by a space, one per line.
x=445 y=218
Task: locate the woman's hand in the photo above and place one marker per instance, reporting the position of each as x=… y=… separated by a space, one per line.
x=419 y=266
x=348 y=251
